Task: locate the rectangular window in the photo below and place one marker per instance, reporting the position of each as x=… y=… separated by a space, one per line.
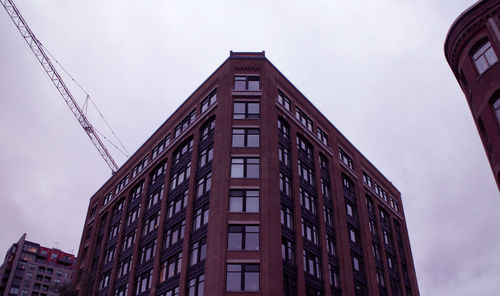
x=245 y=137
x=140 y=166
x=172 y=292
x=334 y=276
x=122 y=290
x=154 y=198
x=283 y=128
x=246 y=83
x=123 y=182
x=288 y=251
x=356 y=265
x=206 y=156
x=133 y=215
x=286 y=217
x=244 y=167
x=143 y=282
x=242 y=277
x=303 y=118
x=328 y=216
x=185 y=123
x=304 y=147
x=203 y=185
x=128 y=240
x=180 y=176
x=198 y=251
x=243 y=237
x=136 y=192
x=241 y=201
x=170 y=267
x=200 y=217
x=112 y=233
x=330 y=244
x=209 y=101
x=308 y=201
x=156 y=175
x=109 y=254
x=312 y=264
x=175 y=233
x=283 y=100
x=323 y=163
x=322 y=136
x=325 y=189
x=147 y=252
x=345 y=158
x=176 y=204
x=310 y=231
x=284 y=155
x=285 y=185
x=151 y=223
x=367 y=179
x=160 y=147
x=484 y=56
x=196 y=286
x=246 y=110
x=124 y=266
x=207 y=129
x=182 y=150
x=306 y=173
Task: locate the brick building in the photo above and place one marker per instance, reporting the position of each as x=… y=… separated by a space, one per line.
x=247 y=189
x=33 y=270
x=472 y=49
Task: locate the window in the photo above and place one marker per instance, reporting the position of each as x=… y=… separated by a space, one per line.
x=322 y=136
x=246 y=137
x=356 y=264
x=348 y=185
x=243 y=237
x=244 y=167
x=306 y=173
x=207 y=129
x=387 y=238
x=242 y=277
x=328 y=216
x=310 y=231
x=174 y=234
x=103 y=283
x=117 y=208
x=204 y=184
x=109 y=254
x=283 y=100
x=170 y=267
x=308 y=201
x=147 y=252
x=171 y=292
x=122 y=290
x=123 y=182
x=376 y=251
x=241 y=200
x=179 y=177
x=107 y=197
x=287 y=251
x=496 y=107
x=133 y=215
x=143 y=282
x=354 y=236
x=206 y=156
x=394 y=204
x=198 y=251
x=112 y=233
x=246 y=110
x=367 y=179
x=325 y=189
x=159 y=148
x=196 y=286
x=334 y=276
x=380 y=278
x=209 y=101
x=369 y=204
x=330 y=245
x=182 y=150
x=373 y=228
x=151 y=223
x=345 y=158
x=200 y=217
x=154 y=198
x=246 y=83
x=304 y=147
x=284 y=155
x=157 y=173
x=285 y=184
x=124 y=266
x=312 y=264
x=390 y=262
x=176 y=204
x=136 y=192
x=286 y=217
x=283 y=128
x=351 y=210
x=484 y=56
x=303 y=118
x=185 y=123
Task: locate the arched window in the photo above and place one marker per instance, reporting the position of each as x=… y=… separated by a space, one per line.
x=483 y=55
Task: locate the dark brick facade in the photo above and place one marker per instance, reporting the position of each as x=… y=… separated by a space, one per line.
x=472 y=49
x=249 y=143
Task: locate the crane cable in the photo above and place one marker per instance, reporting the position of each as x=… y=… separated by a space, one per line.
x=89 y=98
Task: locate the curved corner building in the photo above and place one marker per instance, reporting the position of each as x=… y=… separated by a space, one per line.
x=472 y=49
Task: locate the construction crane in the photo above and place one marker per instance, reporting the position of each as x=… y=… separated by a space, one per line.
x=41 y=55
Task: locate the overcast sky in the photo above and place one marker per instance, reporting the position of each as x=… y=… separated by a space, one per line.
x=376 y=69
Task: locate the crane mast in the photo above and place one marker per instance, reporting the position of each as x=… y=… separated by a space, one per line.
x=56 y=79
